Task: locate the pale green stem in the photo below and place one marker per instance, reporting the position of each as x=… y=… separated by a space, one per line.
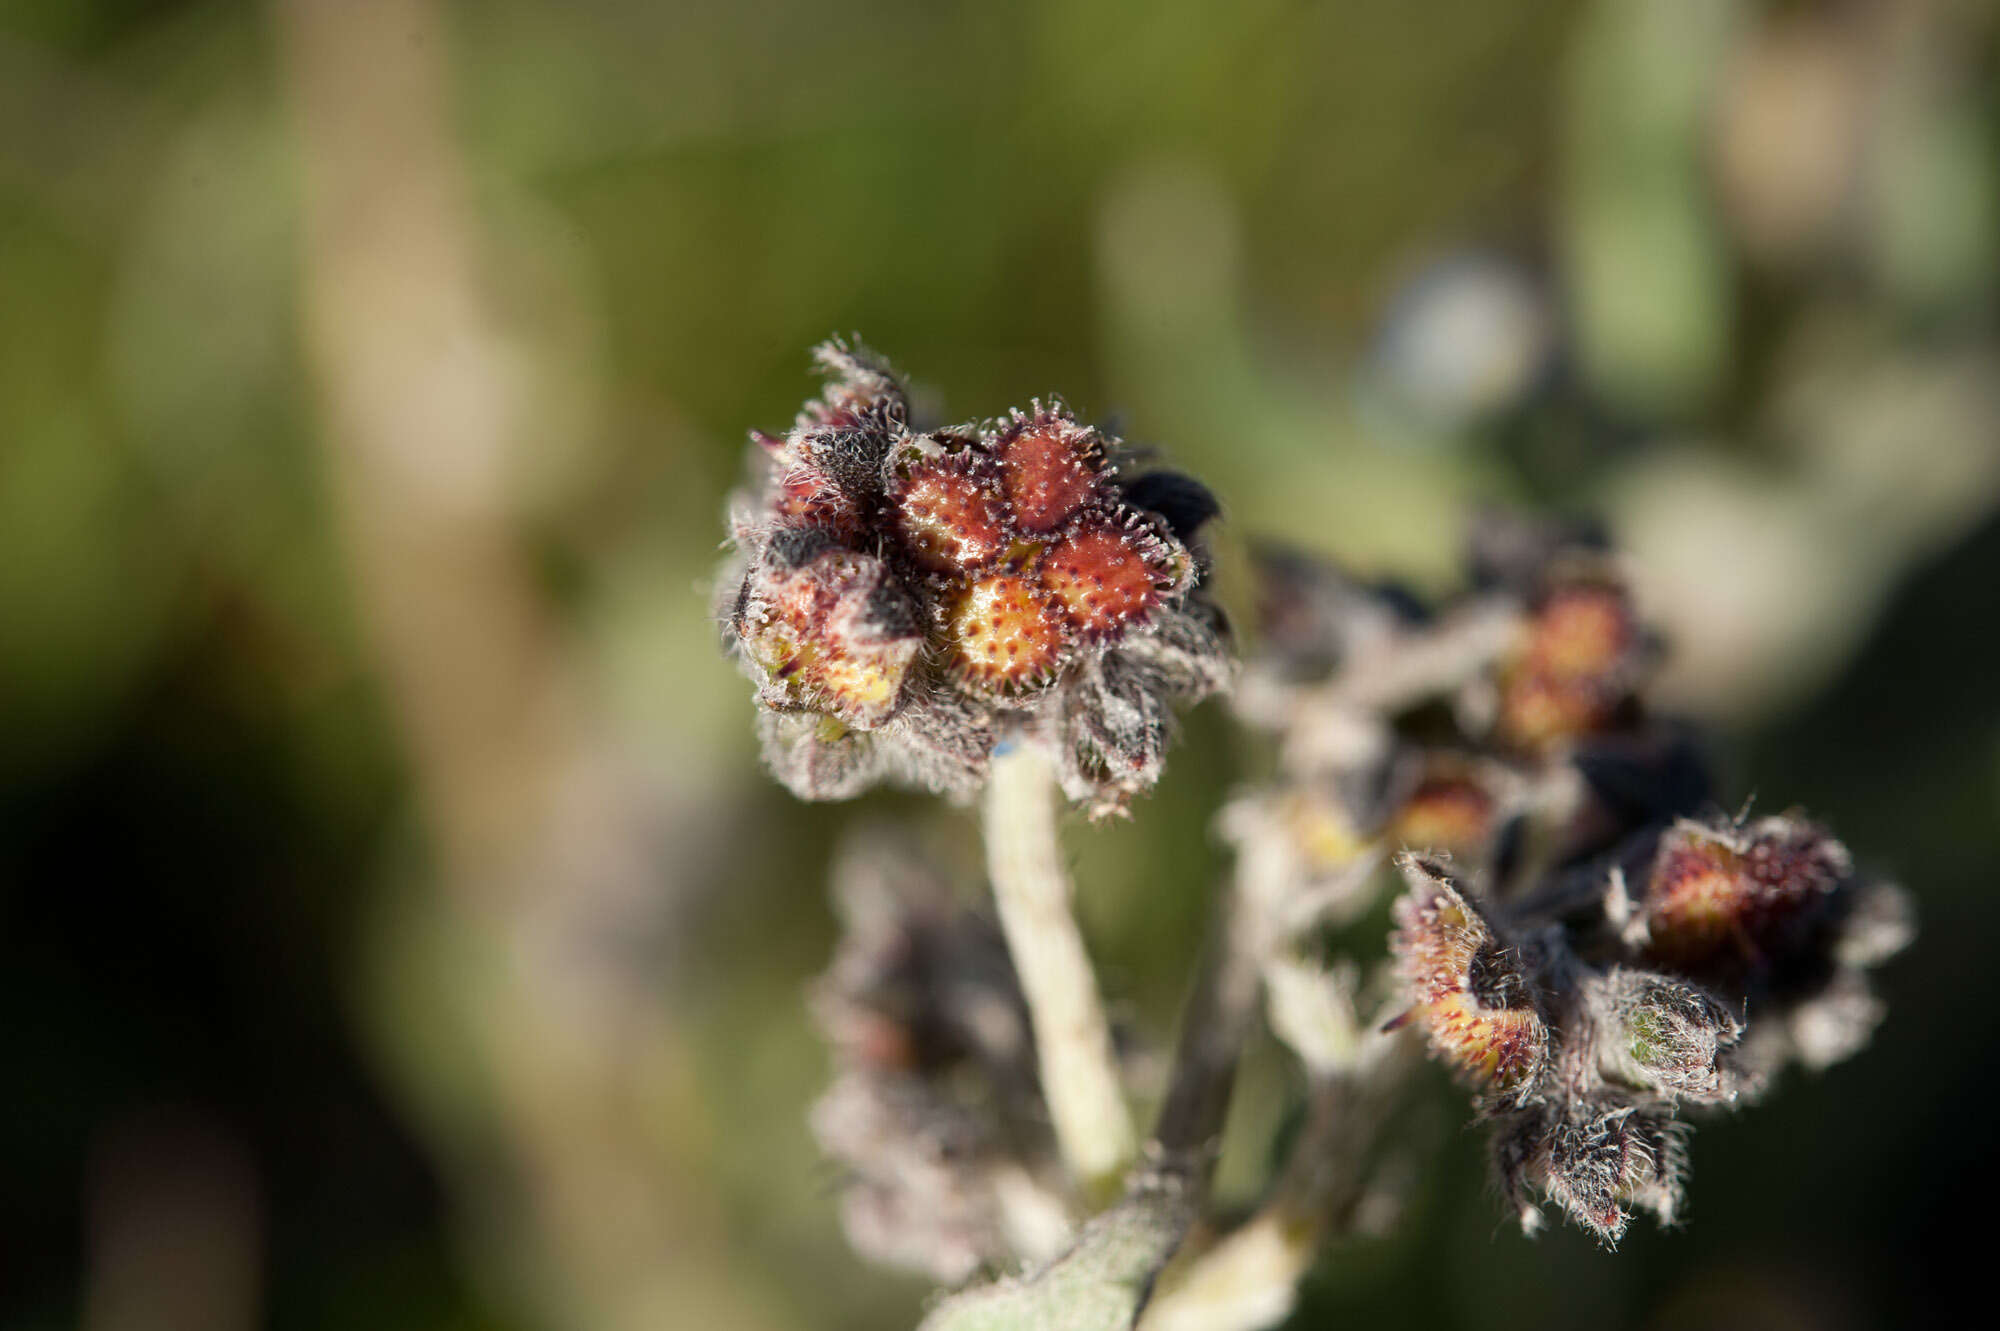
x=1079 y=1072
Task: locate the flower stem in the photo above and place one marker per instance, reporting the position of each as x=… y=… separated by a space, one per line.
x=1218 y=1017
x=1079 y=1074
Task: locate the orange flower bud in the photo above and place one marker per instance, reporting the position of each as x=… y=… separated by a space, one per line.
x=1467 y=989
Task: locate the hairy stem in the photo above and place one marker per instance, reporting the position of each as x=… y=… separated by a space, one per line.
x=1248 y=1280
x=1218 y=1018
x=1079 y=1074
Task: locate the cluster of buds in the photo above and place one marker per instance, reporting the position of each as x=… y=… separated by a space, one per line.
x=934 y=1115
x=1589 y=1014
x=906 y=599
x=1581 y=937
x=1507 y=727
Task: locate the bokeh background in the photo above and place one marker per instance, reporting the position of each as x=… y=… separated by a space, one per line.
x=395 y=927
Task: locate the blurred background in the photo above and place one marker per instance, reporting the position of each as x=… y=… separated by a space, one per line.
x=395 y=927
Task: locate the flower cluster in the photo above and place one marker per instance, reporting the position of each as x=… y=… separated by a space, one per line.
x=1743 y=948
x=1507 y=727
x=905 y=600
x=1581 y=936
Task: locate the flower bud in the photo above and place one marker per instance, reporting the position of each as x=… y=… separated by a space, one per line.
x=1597 y=1163
x=1879 y=923
x=1468 y=990
x=1720 y=895
x=918 y=1177
x=1607 y=963
x=1451 y=809
x=1576 y=670
x=1660 y=1034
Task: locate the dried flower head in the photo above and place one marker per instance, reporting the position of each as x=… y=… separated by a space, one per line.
x=904 y=600
x=935 y=1114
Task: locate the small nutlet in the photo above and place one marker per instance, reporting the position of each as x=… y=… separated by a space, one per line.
x=1469 y=991
x=1005 y=634
x=948 y=511
x=1106 y=576
x=830 y=628
x=1053 y=467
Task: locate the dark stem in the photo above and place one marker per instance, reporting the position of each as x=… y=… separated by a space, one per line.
x=1214 y=1025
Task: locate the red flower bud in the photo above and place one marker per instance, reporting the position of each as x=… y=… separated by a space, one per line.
x=1722 y=894
x=1576 y=669
x=1451 y=810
